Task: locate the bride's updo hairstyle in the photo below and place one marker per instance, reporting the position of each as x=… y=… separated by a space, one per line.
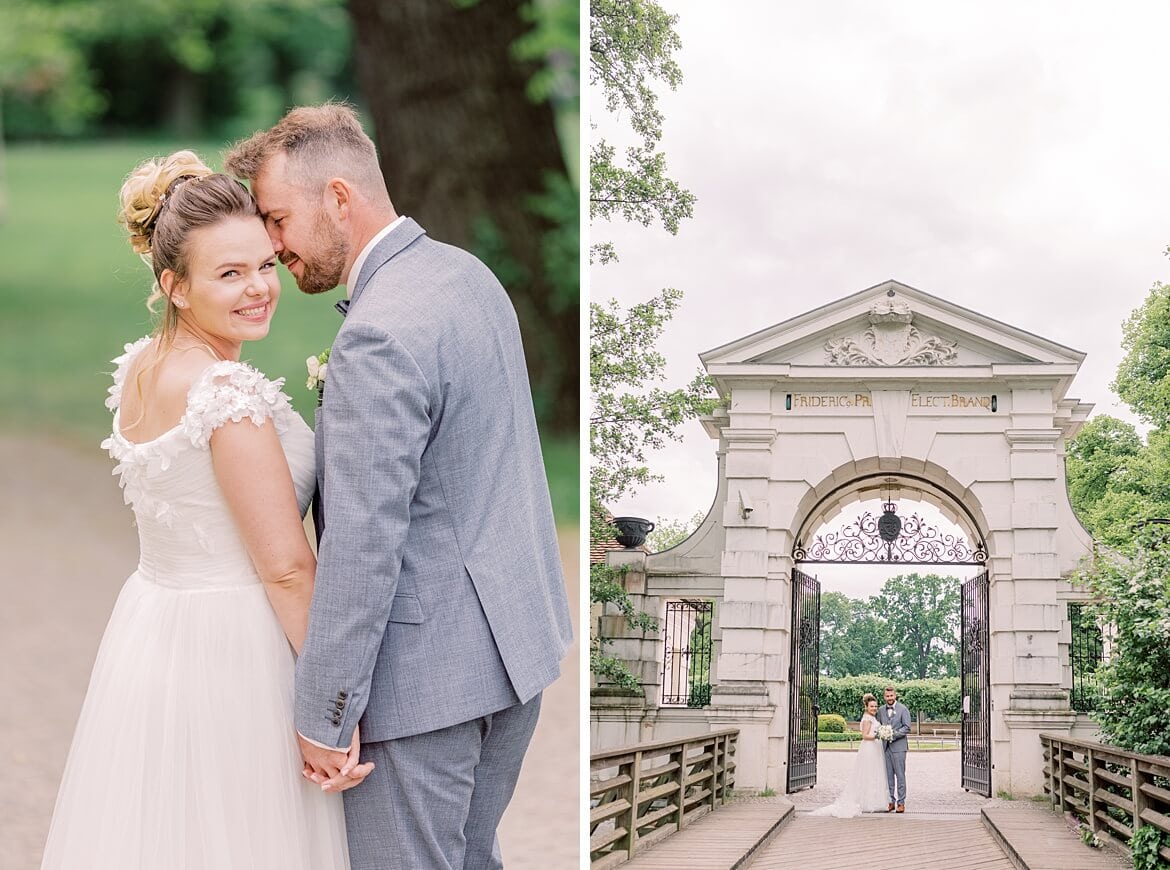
x=163 y=201
x=866 y=698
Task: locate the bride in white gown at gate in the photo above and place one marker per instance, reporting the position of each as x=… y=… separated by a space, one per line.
x=865 y=791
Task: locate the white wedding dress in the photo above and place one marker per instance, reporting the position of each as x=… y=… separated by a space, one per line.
x=185 y=756
x=865 y=791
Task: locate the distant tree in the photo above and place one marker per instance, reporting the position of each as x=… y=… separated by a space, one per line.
x=209 y=68
x=1115 y=481
x=469 y=145
x=920 y=623
x=631 y=51
x=853 y=639
x=836 y=617
x=1101 y=457
x=669 y=533
x=629 y=417
x=1143 y=377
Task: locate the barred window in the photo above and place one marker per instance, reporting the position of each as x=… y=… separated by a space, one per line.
x=1086 y=654
x=686 y=661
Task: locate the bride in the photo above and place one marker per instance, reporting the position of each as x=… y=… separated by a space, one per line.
x=865 y=791
x=185 y=756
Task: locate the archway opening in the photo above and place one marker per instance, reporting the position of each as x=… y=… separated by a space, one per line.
x=890 y=586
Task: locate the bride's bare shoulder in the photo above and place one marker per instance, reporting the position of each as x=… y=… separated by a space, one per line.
x=155 y=397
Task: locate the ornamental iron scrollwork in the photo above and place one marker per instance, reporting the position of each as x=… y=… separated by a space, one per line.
x=887 y=538
x=804 y=754
x=808 y=633
x=973 y=636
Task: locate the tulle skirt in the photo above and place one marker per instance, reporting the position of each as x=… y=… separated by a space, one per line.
x=185 y=757
x=866 y=790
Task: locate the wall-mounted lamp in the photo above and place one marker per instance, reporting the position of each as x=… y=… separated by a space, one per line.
x=745 y=505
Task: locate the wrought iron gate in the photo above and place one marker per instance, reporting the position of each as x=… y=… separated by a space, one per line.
x=976 y=686
x=803 y=673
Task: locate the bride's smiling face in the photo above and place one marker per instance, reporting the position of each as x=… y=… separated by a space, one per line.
x=231 y=287
x=871 y=707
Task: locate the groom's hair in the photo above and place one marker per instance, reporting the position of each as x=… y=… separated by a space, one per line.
x=322 y=142
x=890 y=689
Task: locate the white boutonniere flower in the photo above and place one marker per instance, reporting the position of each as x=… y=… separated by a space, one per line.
x=317 y=366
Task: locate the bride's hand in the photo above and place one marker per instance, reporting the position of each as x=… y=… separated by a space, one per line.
x=352 y=772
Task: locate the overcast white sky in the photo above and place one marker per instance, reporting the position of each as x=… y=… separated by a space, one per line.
x=1013 y=158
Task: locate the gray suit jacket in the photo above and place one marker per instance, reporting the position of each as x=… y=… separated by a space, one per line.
x=439 y=594
x=900 y=720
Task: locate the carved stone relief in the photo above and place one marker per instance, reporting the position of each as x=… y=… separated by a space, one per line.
x=891 y=340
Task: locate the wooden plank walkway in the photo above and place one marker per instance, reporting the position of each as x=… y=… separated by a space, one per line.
x=718 y=841
x=811 y=843
x=1038 y=839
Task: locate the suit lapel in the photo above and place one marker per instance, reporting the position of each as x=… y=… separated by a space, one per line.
x=394 y=243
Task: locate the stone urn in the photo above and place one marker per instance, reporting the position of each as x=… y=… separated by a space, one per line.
x=632 y=531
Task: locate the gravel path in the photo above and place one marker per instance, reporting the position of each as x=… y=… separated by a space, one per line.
x=932 y=785
x=67 y=547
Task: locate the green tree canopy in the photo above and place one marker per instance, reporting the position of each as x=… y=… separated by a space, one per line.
x=669 y=533
x=201 y=67
x=1115 y=480
x=1133 y=597
x=1143 y=377
x=852 y=636
x=920 y=623
x=909 y=630
x=631 y=49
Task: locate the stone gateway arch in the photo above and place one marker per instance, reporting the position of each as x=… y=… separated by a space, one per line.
x=892 y=394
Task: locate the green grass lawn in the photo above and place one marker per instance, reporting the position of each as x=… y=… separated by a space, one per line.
x=72 y=293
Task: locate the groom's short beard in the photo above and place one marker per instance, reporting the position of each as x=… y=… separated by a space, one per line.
x=323 y=273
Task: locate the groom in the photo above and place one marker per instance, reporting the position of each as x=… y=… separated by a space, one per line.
x=439 y=612
x=895 y=714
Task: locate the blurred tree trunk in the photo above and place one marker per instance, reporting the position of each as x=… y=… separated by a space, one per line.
x=184 y=103
x=463 y=149
x=3 y=167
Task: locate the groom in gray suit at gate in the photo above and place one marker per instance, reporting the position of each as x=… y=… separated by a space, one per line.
x=439 y=612
x=895 y=714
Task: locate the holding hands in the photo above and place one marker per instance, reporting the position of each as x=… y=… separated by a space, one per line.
x=333 y=769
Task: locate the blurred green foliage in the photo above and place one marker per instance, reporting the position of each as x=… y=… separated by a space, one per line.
x=214 y=67
x=112 y=83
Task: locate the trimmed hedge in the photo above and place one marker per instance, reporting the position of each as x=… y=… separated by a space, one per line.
x=934 y=699
x=835 y=737
x=830 y=723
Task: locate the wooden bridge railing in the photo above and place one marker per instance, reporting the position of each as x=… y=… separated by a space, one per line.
x=640 y=794
x=1117 y=792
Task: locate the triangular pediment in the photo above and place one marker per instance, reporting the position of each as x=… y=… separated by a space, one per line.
x=891 y=326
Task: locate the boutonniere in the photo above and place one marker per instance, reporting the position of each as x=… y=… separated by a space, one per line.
x=317 y=366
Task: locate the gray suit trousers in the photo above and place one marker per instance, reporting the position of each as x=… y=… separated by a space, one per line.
x=896 y=774
x=434 y=800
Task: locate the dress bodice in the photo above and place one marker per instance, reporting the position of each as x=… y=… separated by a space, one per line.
x=186 y=533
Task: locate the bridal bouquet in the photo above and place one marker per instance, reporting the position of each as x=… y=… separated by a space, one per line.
x=885 y=733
